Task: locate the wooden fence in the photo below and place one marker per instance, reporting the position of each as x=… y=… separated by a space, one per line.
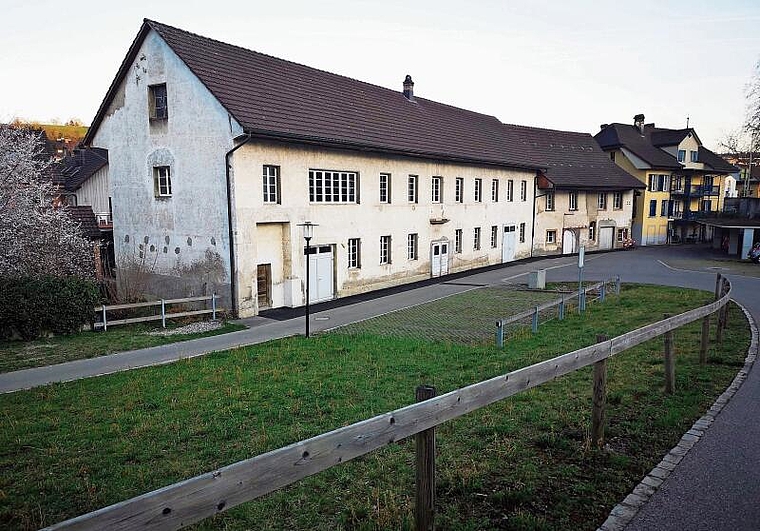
x=195 y=499
x=163 y=316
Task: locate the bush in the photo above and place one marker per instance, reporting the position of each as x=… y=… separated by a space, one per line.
x=30 y=307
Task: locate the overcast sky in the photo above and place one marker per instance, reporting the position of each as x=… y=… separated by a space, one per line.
x=569 y=65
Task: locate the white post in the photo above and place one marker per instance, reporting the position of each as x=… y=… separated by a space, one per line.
x=163 y=313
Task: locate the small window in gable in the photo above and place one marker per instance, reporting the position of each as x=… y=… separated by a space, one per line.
x=157 y=102
x=162 y=181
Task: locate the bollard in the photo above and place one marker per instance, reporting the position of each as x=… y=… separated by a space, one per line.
x=561 y=311
x=500 y=334
x=670 y=367
x=534 y=325
x=163 y=313
x=424 y=508
x=599 y=398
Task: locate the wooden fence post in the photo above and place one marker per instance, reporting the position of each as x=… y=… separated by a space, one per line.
x=561 y=311
x=424 y=508
x=500 y=333
x=670 y=367
x=105 y=321
x=725 y=308
x=163 y=313
x=718 y=291
x=602 y=292
x=534 y=324
x=213 y=306
x=617 y=285
x=599 y=398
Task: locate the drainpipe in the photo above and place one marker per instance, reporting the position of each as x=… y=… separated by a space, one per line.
x=233 y=269
x=533 y=225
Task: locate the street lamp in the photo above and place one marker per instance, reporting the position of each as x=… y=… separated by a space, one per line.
x=308 y=232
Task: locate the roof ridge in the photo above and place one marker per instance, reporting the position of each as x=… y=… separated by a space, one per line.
x=534 y=128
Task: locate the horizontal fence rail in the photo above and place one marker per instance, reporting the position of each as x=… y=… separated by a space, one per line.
x=181 y=504
x=163 y=316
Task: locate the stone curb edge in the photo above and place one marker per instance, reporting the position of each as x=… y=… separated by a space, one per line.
x=622 y=514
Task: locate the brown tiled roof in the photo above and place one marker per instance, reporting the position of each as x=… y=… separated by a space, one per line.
x=715 y=162
x=573 y=160
x=617 y=135
x=81 y=165
x=86 y=218
x=274 y=98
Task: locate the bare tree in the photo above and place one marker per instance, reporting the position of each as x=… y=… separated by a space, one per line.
x=752 y=124
x=36 y=239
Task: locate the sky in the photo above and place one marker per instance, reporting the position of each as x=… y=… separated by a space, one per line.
x=569 y=65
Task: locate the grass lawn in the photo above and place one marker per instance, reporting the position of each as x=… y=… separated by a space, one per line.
x=16 y=355
x=523 y=463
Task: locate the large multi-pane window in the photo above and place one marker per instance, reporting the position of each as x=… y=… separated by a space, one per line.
x=601 y=201
x=436 y=188
x=549 y=201
x=459 y=190
x=326 y=186
x=354 y=253
x=411 y=246
x=458 y=240
x=523 y=190
x=573 y=200
x=617 y=200
x=162 y=181
x=510 y=190
x=476 y=239
x=385 y=187
x=478 y=190
x=495 y=190
x=494 y=236
x=411 y=189
x=385 y=249
x=271 y=179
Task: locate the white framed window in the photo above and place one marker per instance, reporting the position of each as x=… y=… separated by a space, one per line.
x=354 y=253
x=158 y=104
x=617 y=200
x=549 y=201
x=459 y=190
x=411 y=189
x=495 y=190
x=523 y=190
x=436 y=189
x=573 y=200
x=522 y=232
x=706 y=205
x=694 y=156
x=681 y=155
x=510 y=190
x=162 y=181
x=551 y=236
x=622 y=235
x=271 y=179
x=601 y=201
x=328 y=186
x=664 y=208
x=476 y=239
x=385 y=187
x=458 y=240
x=385 y=250
x=592 y=231
x=494 y=236
x=478 y=190
x=412 y=246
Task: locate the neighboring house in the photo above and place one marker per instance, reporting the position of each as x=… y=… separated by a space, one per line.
x=102 y=242
x=683 y=179
x=216 y=154
x=583 y=198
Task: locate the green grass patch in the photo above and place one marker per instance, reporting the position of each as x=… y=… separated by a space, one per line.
x=16 y=355
x=524 y=463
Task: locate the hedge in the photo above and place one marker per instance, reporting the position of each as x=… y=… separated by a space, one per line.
x=30 y=307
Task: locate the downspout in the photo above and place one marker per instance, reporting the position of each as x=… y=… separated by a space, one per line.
x=231 y=233
x=533 y=225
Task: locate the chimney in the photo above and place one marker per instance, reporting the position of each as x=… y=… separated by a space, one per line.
x=603 y=126
x=638 y=122
x=409 y=88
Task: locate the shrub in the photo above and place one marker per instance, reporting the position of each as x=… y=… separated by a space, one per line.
x=33 y=306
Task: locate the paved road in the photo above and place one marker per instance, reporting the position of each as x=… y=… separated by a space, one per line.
x=717 y=485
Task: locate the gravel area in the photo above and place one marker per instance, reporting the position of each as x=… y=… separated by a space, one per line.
x=192 y=328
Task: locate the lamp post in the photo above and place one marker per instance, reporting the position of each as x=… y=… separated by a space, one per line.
x=308 y=232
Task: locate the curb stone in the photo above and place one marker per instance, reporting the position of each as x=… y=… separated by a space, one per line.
x=622 y=514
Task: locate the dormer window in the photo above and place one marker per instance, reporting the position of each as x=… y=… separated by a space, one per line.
x=694 y=156
x=681 y=155
x=157 y=102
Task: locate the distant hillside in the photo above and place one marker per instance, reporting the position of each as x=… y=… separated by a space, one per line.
x=70 y=132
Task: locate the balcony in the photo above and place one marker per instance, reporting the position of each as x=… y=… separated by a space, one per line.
x=696 y=190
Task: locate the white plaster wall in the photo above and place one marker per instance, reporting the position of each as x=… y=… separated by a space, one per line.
x=94 y=192
x=368 y=220
x=690 y=144
x=175 y=231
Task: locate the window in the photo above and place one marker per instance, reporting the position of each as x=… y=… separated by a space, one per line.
x=612 y=156
x=551 y=236
x=617 y=200
x=677 y=207
x=327 y=186
x=677 y=184
x=522 y=232
x=458 y=240
x=510 y=190
x=659 y=183
x=354 y=257
x=601 y=201
x=478 y=190
x=271 y=180
x=476 y=239
x=652 y=208
x=411 y=246
x=694 y=156
x=573 y=200
x=162 y=181
x=494 y=236
x=664 y=208
x=592 y=231
x=459 y=190
x=385 y=249
x=411 y=189
x=622 y=235
x=495 y=190
x=681 y=155
x=158 y=106
x=523 y=190
x=706 y=205
x=436 y=185
x=550 y=201
x=385 y=187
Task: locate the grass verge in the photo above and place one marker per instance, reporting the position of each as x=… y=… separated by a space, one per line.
x=16 y=355
x=521 y=464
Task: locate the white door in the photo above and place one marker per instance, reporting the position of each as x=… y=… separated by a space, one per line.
x=568 y=242
x=605 y=237
x=508 y=243
x=439 y=259
x=321 y=274
x=651 y=235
